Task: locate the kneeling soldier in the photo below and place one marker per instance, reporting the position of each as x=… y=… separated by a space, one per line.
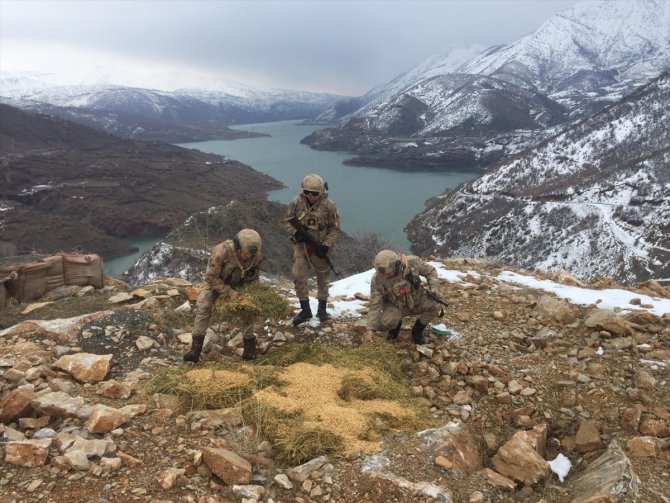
x=233 y=263
x=396 y=292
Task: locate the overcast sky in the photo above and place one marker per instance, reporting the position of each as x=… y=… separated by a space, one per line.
x=343 y=46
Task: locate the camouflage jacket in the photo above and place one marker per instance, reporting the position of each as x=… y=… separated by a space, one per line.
x=403 y=290
x=322 y=220
x=225 y=270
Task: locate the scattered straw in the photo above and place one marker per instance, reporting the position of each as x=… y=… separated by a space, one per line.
x=313 y=390
x=308 y=400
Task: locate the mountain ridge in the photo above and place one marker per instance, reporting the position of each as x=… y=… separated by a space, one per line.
x=180 y=116
x=593 y=199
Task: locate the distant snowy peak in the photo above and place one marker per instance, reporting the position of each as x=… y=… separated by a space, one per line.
x=151 y=114
x=442 y=62
x=43 y=87
x=593 y=35
x=212 y=96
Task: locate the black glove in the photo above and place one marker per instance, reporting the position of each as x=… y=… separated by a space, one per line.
x=299 y=237
x=321 y=251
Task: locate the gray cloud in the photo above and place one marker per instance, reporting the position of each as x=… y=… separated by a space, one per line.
x=337 y=46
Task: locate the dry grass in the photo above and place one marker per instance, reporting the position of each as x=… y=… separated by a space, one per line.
x=378 y=355
x=213 y=387
x=254 y=302
x=307 y=400
x=296 y=444
x=365 y=387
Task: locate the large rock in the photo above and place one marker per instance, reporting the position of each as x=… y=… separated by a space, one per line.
x=649 y=447
x=551 y=308
x=536 y=438
x=603 y=319
x=227 y=465
x=28 y=453
x=85 y=367
x=588 y=437
x=104 y=419
x=630 y=419
x=302 y=472
x=64 y=329
x=15 y=404
x=519 y=461
x=610 y=476
x=454 y=442
x=58 y=404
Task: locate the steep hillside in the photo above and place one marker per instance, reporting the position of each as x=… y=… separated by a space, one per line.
x=594 y=200
x=69 y=187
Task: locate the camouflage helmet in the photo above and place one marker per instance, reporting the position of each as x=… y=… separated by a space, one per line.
x=387 y=261
x=248 y=240
x=313 y=183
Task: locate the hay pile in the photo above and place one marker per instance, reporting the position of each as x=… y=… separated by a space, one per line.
x=255 y=302
x=314 y=392
x=308 y=400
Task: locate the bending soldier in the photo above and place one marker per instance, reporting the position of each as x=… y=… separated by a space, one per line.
x=318 y=215
x=396 y=292
x=233 y=263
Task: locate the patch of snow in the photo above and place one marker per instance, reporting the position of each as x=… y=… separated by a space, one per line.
x=560 y=465
x=609 y=298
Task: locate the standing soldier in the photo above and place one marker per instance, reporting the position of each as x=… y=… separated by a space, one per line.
x=320 y=224
x=233 y=263
x=396 y=292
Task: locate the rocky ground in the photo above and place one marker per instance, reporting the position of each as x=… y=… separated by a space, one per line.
x=523 y=378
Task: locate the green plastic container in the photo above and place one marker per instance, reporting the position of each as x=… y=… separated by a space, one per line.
x=441 y=331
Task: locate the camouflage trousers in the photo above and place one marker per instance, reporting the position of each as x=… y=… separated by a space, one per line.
x=301 y=271
x=426 y=309
x=203 y=309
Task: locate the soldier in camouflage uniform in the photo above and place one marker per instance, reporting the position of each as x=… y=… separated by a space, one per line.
x=232 y=264
x=396 y=292
x=318 y=214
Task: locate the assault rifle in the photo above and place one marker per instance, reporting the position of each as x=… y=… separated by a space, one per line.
x=415 y=281
x=310 y=239
x=434 y=297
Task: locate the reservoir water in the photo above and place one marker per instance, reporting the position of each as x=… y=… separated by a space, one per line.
x=368 y=199
x=116 y=267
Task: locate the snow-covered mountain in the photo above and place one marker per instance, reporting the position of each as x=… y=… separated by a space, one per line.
x=594 y=199
x=440 y=63
x=154 y=114
x=593 y=51
x=575 y=63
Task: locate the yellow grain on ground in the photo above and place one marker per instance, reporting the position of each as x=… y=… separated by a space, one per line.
x=313 y=390
x=219 y=379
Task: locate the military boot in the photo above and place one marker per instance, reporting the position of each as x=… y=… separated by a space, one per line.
x=303 y=315
x=393 y=333
x=249 y=348
x=196 y=347
x=321 y=313
x=417 y=333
